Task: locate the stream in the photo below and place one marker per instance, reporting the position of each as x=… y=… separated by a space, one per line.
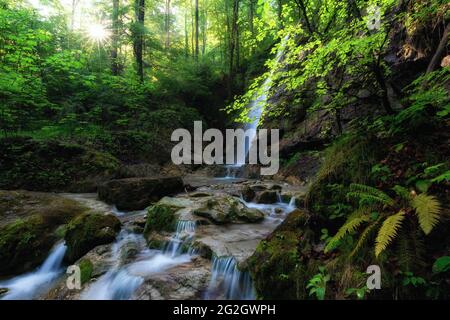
x=127 y=273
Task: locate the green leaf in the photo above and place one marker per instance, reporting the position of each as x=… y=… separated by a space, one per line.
x=441 y=264
x=423 y=185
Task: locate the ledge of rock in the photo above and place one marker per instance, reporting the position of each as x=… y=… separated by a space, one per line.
x=138 y=193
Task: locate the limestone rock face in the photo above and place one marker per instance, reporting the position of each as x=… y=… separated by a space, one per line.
x=138 y=193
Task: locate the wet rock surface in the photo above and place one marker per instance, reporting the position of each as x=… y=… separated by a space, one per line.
x=138 y=193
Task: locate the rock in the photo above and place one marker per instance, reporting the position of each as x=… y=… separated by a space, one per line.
x=258 y=187
x=24 y=244
x=88 y=231
x=3 y=291
x=283 y=264
x=293 y=180
x=276 y=187
x=226 y=209
x=199 y=195
x=267 y=197
x=86 y=269
x=161 y=217
x=248 y=194
x=183 y=282
x=138 y=193
x=28 y=225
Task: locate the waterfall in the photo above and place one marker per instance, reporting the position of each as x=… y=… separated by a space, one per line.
x=257 y=105
x=229 y=281
x=30 y=285
x=184 y=233
x=117 y=283
x=122 y=280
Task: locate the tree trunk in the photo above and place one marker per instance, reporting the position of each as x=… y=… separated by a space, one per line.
x=204 y=26
x=439 y=51
x=280 y=13
x=138 y=37
x=186 y=35
x=196 y=30
x=251 y=18
x=167 y=24
x=115 y=38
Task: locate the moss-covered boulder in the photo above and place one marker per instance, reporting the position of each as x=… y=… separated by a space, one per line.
x=28 y=227
x=227 y=209
x=88 y=231
x=24 y=244
x=161 y=217
x=52 y=166
x=138 y=193
x=282 y=264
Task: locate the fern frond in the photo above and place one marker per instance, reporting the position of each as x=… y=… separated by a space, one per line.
x=363 y=238
x=352 y=223
x=428 y=210
x=369 y=194
x=388 y=231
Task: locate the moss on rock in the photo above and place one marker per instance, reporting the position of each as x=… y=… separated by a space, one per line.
x=276 y=266
x=161 y=217
x=86 y=269
x=88 y=231
x=24 y=244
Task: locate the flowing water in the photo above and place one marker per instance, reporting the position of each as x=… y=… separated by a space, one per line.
x=31 y=285
x=123 y=279
x=228 y=282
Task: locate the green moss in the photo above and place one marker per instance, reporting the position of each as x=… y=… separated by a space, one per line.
x=24 y=244
x=278 y=267
x=60 y=232
x=86 y=268
x=160 y=217
x=88 y=231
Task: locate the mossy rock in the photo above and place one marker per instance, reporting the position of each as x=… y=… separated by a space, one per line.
x=161 y=217
x=227 y=209
x=88 y=231
x=86 y=269
x=24 y=244
x=276 y=266
x=30 y=224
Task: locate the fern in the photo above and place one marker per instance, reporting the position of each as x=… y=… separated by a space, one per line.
x=353 y=222
x=388 y=231
x=368 y=195
x=428 y=211
x=363 y=238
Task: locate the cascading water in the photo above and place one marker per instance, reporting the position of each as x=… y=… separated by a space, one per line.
x=256 y=108
x=184 y=233
x=228 y=282
x=124 y=279
x=258 y=103
x=30 y=285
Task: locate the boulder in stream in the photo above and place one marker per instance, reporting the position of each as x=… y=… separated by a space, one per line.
x=28 y=225
x=227 y=209
x=88 y=231
x=138 y=193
